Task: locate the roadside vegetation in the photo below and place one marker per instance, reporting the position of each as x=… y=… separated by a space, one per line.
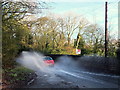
x=47 y=34
x=17 y=77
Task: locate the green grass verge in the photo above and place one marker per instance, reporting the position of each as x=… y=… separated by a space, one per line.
x=16 y=75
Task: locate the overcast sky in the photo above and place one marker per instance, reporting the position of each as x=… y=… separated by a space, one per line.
x=93 y=10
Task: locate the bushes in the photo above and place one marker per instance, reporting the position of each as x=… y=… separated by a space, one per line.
x=15 y=38
x=18 y=75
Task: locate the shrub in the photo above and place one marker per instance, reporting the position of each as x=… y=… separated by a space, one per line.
x=16 y=75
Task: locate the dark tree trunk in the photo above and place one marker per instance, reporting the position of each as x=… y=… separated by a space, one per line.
x=68 y=41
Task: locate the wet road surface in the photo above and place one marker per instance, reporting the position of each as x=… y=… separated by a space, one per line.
x=74 y=78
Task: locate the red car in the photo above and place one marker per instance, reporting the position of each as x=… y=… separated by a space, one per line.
x=48 y=61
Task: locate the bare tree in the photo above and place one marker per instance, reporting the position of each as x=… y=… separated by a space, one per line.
x=71 y=24
x=18 y=9
x=94 y=36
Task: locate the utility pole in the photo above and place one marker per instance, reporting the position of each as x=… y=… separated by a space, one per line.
x=106 y=31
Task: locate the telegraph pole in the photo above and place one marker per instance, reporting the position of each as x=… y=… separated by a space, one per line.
x=106 y=31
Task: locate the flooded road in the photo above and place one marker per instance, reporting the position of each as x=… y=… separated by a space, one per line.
x=67 y=73
x=74 y=78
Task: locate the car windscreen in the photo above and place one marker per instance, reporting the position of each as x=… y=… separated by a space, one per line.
x=47 y=58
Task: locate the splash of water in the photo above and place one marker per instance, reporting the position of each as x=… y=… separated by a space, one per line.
x=32 y=60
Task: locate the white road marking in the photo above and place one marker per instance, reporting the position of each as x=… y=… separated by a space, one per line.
x=105 y=75
x=80 y=76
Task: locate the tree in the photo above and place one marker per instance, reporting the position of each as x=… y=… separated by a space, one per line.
x=16 y=35
x=71 y=24
x=45 y=33
x=61 y=33
x=112 y=46
x=93 y=35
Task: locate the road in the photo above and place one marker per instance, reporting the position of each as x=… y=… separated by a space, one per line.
x=66 y=77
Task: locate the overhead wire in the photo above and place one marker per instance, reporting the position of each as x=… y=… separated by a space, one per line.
x=93 y=10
